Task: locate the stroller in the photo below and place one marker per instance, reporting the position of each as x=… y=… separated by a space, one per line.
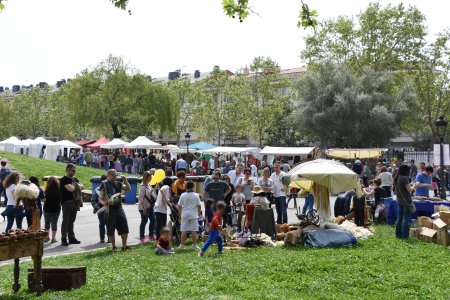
x=176 y=225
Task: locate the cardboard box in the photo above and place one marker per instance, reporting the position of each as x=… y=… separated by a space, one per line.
x=428 y=235
x=425 y=222
x=445 y=216
x=442 y=236
x=415 y=232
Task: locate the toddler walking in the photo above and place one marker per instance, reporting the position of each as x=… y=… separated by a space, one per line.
x=215 y=229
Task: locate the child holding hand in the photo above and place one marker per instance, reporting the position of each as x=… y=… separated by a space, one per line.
x=215 y=229
x=164 y=244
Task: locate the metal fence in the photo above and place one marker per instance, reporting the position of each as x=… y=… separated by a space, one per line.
x=417 y=156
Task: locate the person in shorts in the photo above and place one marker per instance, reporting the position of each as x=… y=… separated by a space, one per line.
x=115 y=215
x=190 y=210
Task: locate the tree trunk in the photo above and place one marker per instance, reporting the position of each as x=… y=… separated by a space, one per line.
x=116 y=133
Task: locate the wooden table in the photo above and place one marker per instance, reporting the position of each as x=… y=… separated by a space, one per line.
x=24 y=248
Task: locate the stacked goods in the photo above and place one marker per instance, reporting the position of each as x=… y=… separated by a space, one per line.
x=21 y=234
x=434 y=231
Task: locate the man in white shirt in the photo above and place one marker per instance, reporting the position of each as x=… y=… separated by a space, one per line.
x=236 y=174
x=279 y=194
x=212 y=164
x=194 y=163
x=190 y=210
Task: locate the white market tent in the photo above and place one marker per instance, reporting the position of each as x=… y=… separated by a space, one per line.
x=36 y=146
x=230 y=150
x=57 y=148
x=356 y=153
x=142 y=142
x=9 y=144
x=287 y=151
x=114 y=144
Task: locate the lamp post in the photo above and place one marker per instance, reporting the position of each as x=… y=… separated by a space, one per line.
x=441 y=125
x=187 y=137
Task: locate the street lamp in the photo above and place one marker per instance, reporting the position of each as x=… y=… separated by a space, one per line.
x=187 y=137
x=441 y=126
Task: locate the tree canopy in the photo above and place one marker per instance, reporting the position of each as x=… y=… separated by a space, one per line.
x=341 y=109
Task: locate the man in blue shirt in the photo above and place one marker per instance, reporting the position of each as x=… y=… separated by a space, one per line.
x=423 y=181
x=180 y=165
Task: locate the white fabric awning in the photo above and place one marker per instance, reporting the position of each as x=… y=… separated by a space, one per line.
x=41 y=141
x=295 y=151
x=12 y=140
x=67 y=144
x=142 y=142
x=225 y=150
x=114 y=144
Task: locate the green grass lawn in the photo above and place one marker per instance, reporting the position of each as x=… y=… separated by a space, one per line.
x=40 y=167
x=380 y=267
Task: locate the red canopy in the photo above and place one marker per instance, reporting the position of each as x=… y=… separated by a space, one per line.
x=97 y=144
x=84 y=143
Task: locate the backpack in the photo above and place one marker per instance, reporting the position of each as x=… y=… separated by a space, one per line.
x=4 y=172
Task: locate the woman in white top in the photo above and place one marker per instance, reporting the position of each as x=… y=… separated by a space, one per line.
x=13 y=211
x=247 y=184
x=161 y=204
x=386 y=180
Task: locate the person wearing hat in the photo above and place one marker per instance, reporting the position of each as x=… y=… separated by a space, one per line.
x=259 y=197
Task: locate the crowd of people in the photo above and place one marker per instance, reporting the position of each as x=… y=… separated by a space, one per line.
x=228 y=190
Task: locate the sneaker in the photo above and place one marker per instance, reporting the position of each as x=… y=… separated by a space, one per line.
x=114 y=249
x=143 y=240
x=200 y=254
x=64 y=243
x=102 y=241
x=74 y=241
x=47 y=239
x=181 y=247
x=195 y=247
x=54 y=241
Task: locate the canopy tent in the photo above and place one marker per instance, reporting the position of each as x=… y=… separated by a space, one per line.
x=168 y=148
x=8 y=144
x=287 y=151
x=98 y=143
x=322 y=177
x=229 y=150
x=84 y=143
x=56 y=149
x=23 y=145
x=142 y=142
x=114 y=144
x=37 y=145
x=356 y=153
x=200 y=146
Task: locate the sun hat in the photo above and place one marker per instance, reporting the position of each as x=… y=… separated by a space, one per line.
x=257 y=190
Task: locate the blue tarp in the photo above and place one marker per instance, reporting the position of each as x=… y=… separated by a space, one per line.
x=200 y=146
x=329 y=238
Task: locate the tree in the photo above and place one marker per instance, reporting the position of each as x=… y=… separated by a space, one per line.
x=31 y=112
x=384 y=38
x=267 y=102
x=120 y=101
x=189 y=96
x=432 y=83
x=5 y=118
x=341 y=109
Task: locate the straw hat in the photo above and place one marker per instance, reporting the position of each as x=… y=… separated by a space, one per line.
x=257 y=190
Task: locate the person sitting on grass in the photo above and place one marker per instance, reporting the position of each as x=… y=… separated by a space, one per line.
x=190 y=210
x=215 y=230
x=164 y=244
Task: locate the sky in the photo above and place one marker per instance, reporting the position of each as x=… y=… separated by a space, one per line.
x=49 y=40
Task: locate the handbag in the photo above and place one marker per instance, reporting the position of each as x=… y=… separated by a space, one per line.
x=151 y=199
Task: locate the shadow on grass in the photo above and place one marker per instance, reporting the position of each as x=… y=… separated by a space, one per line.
x=303 y=248
x=12 y=297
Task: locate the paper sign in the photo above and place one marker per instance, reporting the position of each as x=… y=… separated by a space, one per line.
x=437 y=155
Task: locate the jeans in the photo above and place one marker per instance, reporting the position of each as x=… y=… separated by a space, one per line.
x=68 y=219
x=161 y=221
x=281 y=207
x=309 y=204
x=214 y=235
x=12 y=214
x=144 y=219
x=101 y=225
x=129 y=168
x=404 y=215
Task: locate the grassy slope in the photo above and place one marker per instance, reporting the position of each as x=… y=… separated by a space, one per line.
x=40 y=167
x=380 y=267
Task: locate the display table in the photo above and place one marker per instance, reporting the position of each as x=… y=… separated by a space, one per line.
x=29 y=246
x=423 y=208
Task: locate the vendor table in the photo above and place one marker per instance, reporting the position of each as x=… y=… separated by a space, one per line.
x=16 y=249
x=423 y=208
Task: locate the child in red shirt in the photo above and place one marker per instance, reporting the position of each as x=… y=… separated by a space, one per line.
x=164 y=244
x=215 y=229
